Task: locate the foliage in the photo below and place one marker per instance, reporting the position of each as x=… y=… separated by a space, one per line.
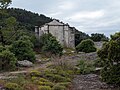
x=31 y=20
x=4 y=3
x=59 y=87
x=115 y=36
x=12 y=86
x=44 y=88
x=79 y=36
x=49 y=44
x=7 y=60
x=84 y=67
x=35 y=73
x=23 y=50
x=86 y=46
x=110 y=57
x=98 y=37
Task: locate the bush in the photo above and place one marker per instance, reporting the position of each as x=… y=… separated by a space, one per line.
x=44 y=88
x=12 y=86
x=46 y=83
x=110 y=57
x=7 y=60
x=49 y=44
x=35 y=73
x=59 y=87
x=66 y=84
x=30 y=86
x=23 y=50
x=84 y=67
x=86 y=46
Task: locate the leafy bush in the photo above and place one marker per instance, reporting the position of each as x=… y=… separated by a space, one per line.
x=49 y=44
x=57 y=78
x=59 y=87
x=86 y=46
x=110 y=57
x=23 y=50
x=35 y=73
x=12 y=86
x=7 y=60
x=46 y=83
x=84 y=67
x=66 y=84
x=44 y=88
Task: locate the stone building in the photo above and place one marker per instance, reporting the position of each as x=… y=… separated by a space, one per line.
x=63 y=32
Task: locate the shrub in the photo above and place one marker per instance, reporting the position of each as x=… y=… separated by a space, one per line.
x=7 y=60
x=12 y=86
x=66 y=84
x=86 y=46
x=50 y=44
x=44 y=88
x=46 y=83
x=57 y=78
x=84 y=67
x=35 y=73
x=30 y=86
x=110 y=57
x=59 y=87
x=23 y=50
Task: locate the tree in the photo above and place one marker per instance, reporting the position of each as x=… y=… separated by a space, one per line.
x=23 y=49
x=79 y=36
x=98 y=37
x=86 y=46
x=49 y=44
x=7 y=60
x=5 y=3
x=110 y=56
x=6 y=23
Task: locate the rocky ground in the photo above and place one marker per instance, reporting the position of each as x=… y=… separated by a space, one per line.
x=90 y=82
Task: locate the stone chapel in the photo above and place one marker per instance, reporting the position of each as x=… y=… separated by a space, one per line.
x=63 y=32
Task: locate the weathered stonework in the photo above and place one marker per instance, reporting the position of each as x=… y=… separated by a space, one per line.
x=63 y=32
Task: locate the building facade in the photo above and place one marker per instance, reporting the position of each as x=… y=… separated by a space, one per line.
x=63 y=32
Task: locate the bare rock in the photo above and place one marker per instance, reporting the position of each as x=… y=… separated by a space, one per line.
x=25 y=63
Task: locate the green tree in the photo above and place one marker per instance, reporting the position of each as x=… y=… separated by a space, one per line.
x=79 y=36
x=110 y=57
x=7 y=23
x=86 y=46
x=23 y=49
x=98 y=37
x=49 y=44
x=7 y=60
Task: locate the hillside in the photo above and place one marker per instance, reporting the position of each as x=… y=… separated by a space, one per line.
x=28 y=18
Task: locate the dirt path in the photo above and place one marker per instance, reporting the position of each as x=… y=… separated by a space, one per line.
x=7 y=75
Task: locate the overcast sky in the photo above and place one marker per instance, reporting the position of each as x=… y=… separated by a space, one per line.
x=90 y=16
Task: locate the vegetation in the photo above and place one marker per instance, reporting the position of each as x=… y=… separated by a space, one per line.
x=109 y=55
x=98 y=37
x=23 y=49
x=29 y=22
x=79 y=36
x=85 y=67
x=86 y=46
x=50 y=45
x=7 y=60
